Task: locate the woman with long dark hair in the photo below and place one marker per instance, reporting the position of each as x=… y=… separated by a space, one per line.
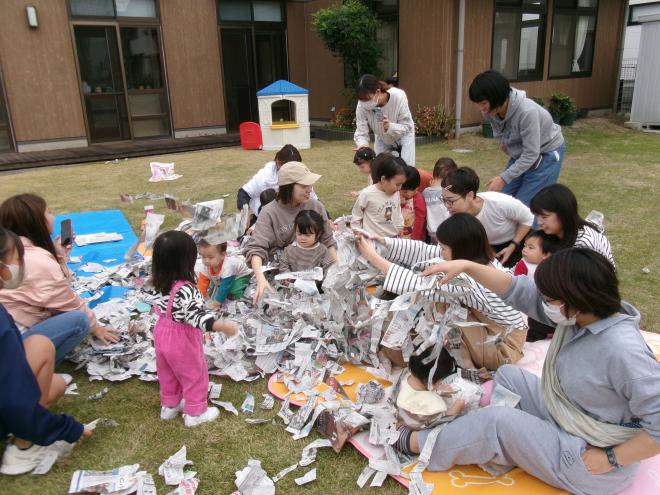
x=386 y=113
x=556 y=210
x=460 y=237
x=46 y=290
x=585 y=425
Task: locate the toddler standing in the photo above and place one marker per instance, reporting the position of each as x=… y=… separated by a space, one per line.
x=179 y=332
x=436 y=211
x=378 y=207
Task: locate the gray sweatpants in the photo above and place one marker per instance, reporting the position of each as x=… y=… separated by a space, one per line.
x=526 y=437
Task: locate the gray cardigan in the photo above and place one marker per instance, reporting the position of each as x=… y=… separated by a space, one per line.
x=527 y=130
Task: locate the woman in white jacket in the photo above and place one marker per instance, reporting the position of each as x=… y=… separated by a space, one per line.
x=386 y=113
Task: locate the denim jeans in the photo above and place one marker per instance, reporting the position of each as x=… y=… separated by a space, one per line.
x=525 y=186
x=65 y=331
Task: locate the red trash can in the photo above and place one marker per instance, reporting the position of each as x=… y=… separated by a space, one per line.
x=251 y=136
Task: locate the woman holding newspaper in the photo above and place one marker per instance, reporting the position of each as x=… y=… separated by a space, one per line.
x=386 y=113
x=595 y=413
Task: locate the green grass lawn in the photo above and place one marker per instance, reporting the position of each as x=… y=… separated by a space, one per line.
x=610 y=169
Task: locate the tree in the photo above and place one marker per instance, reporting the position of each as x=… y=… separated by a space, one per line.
x=348 y=30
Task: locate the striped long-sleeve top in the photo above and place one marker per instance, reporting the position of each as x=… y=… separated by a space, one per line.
x=588 y=237
x=188 y=307
x=400 y=280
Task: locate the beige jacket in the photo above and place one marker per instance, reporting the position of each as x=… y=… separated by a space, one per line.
x=45 y=291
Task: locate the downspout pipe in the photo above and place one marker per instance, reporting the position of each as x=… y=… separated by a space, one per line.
x=620 y=47
x=459 y=67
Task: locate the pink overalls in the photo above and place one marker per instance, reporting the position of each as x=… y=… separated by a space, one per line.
x=180 y=361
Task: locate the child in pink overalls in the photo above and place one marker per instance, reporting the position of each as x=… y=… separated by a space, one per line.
x=179 y=332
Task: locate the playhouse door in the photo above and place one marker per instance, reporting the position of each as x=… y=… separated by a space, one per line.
x=240 y=85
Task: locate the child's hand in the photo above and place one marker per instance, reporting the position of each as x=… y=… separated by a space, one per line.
x=354 y=194
x=227 y=327
x=85 y=434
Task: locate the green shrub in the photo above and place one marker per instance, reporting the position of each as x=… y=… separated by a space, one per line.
x=560 y=106
x=344 y=118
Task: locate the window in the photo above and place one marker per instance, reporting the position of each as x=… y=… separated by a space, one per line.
x=573 y=38
x=518 y=35
x=283 y=112
x=248 y=11
x=113 y=8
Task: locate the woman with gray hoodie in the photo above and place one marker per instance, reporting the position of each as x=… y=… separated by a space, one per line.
x=526 y=133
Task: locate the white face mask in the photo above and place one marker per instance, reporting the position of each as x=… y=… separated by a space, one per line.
x=17 y=275
x=371 y=104
x=555 y=315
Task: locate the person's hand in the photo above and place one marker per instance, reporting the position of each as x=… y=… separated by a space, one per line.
x=354 y=194
x=85 y=434
x=227 y=327
x=450 y=269
x=365 y=246
x=358 y=148
x=495 y=184
x=107 y=335
x=504 y=149
x=386 y=123
x=62 y=252
x=506 y=253
x=595 y=459
x=262 y=286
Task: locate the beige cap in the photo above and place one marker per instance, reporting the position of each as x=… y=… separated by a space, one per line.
x=296 y=173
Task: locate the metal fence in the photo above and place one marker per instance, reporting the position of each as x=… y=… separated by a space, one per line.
x=626 y=85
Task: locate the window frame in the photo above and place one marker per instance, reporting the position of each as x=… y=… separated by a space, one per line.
x=115 y=17
x=539 y=73
x=575 y=12
x=251 y=21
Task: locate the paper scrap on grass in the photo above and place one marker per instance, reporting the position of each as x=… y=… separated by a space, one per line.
x=253 y=480
x=172 y=468
x=162 y=171
x=306 y=478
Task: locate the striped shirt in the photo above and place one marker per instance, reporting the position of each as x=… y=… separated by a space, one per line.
x=588 y=237
x=188 y=308
x=401 y=280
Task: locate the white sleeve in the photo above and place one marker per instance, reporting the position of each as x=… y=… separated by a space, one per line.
x=404 y=123
x=361 y=136
x=408 y=252
x=256 y=185
x=517 y=210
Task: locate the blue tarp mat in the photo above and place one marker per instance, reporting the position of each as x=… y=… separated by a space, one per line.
x=93 y=222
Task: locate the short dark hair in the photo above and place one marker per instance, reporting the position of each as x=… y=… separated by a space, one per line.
x=461 y=181
x=413 y=179
x=9 y=241
x=309 y=222
x=25 y=215
x=266 y=196
x=174 y=257
x=446 y=365
x=288 y=153
x=443 y=167
x=560 y=200
x=386 y=165
x=367 y=85
x=365 y=154
x=490 y=86
x=466 y=237
x=582 y=279
x=222 y=247
x=285 y=194
x=549 y=243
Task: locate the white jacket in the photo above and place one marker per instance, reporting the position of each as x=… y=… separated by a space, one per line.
x=398 y=113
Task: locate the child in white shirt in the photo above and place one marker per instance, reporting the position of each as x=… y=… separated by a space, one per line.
x=378 y=207
x=436 y=211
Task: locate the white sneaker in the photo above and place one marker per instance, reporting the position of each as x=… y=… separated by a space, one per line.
x=16 y=461
x=210 y=414
x=168 y=413
x=67 y=378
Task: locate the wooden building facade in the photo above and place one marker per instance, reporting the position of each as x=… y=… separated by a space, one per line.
x=77 y=72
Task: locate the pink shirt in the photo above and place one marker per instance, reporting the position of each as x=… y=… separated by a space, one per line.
x=45 y=291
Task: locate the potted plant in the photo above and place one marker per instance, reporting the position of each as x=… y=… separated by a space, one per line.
x=562 y=108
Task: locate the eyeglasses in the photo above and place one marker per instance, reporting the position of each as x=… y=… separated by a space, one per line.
x=450 y=201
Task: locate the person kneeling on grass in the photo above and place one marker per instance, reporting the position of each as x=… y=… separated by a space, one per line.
x=29 y=384
x=179 y=332
x=221 y=276
x=594 y=414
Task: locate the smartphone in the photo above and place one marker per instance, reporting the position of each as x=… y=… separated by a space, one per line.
x=66 y=232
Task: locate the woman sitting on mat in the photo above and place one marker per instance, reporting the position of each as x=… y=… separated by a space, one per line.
x=595 y=413
x=460 y=237
x=45 y=304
